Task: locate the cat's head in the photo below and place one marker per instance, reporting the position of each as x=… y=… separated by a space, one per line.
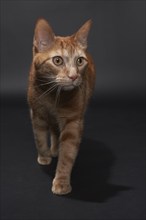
x=60 y=60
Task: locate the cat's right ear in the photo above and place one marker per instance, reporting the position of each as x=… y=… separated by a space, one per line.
x=43 y=36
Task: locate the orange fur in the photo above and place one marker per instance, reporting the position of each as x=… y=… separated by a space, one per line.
x=59 y=109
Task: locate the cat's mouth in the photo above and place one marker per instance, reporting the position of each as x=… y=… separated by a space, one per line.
x=69 y=85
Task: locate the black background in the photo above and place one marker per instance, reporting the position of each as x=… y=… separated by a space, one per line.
x=109 y=175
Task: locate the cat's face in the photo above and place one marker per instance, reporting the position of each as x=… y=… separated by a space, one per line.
x=62 y=60
x=64 y=64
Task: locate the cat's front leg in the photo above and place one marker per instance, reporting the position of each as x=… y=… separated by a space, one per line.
x=69 y=145
x=41 y=139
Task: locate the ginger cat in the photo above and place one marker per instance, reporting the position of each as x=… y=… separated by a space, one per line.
x=61 y=81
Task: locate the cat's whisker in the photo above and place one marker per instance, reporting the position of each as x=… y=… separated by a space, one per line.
x=51 y=89
x=40 y=80
x=44 y=79
x=45 y=83
x=48 y=77
x=81 y=88
x=58 y=95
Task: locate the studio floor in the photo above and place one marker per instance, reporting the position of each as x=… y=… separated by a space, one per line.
x=108 y=178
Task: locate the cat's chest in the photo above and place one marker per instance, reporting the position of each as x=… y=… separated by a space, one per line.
x=62 y=112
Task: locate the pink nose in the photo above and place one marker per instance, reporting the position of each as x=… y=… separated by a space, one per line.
x=73 y=77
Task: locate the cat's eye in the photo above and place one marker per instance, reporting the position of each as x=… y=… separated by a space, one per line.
x=57 y=60
x=80 y=61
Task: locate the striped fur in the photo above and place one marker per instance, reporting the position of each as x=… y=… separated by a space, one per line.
x=58 y=96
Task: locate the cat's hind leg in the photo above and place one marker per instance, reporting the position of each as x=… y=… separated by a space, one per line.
x=54 y=144
x=41 y=139
x=44 y=153
x=54 y=136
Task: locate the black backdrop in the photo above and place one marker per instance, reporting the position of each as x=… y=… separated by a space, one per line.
x=109 y=175
x=116 y=40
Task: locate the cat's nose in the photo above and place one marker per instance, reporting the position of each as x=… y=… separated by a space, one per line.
x=73 y=77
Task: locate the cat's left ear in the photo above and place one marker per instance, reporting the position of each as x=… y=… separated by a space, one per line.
x=82 y=34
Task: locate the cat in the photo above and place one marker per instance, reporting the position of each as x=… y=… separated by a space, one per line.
x=61 y=81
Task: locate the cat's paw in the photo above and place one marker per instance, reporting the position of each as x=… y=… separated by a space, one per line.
x=61 y=187
x=44 y=160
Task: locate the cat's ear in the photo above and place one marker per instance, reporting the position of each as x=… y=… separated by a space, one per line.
x=43 y=36
x=82 y=34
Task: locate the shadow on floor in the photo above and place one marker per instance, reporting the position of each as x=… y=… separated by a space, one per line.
x=91 y=173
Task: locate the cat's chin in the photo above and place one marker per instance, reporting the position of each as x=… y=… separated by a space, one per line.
x=72 y=86
x=68 y=88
